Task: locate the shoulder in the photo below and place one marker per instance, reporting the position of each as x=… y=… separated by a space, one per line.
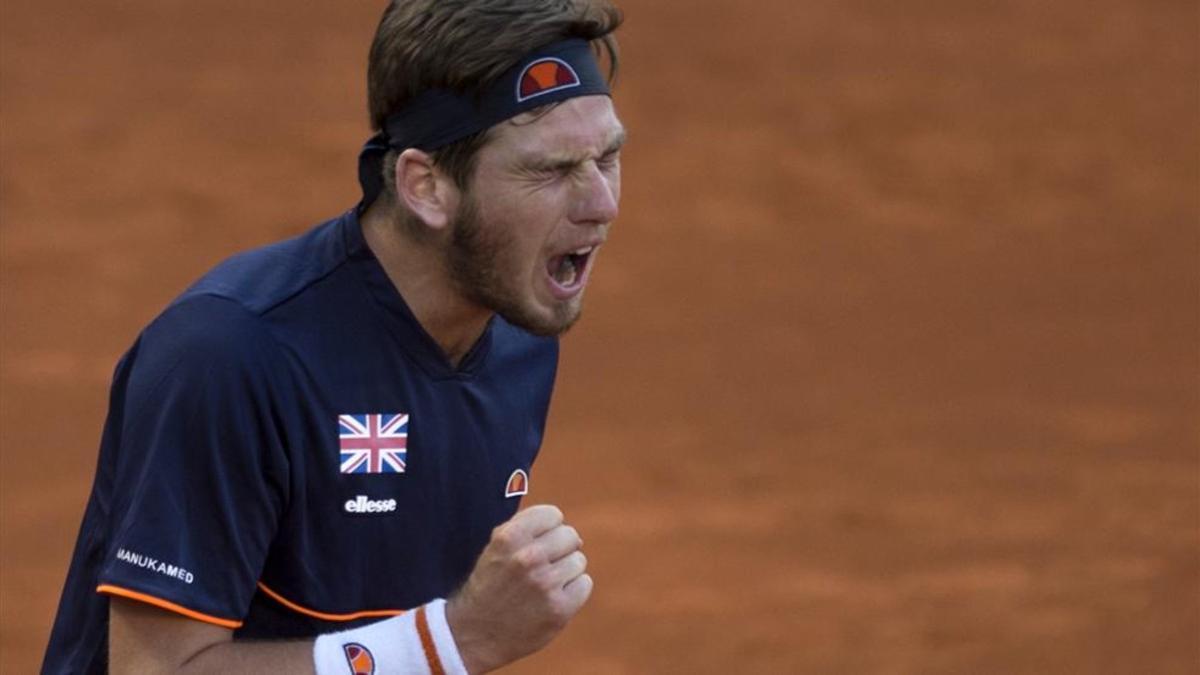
x=200 y=343
x=263 y=278
x=207 y=326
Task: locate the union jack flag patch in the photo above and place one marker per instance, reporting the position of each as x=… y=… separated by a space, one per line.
x=375 y=443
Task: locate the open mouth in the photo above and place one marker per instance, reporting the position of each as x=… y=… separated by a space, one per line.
x=568 y=272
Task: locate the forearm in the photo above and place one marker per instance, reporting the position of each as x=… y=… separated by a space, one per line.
x=143 y=639
x=230 y=658
x=528 y=582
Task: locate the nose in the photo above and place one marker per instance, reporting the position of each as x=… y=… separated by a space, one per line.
x=595 y=197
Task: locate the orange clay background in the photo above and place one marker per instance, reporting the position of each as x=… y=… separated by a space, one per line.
x=890 y=366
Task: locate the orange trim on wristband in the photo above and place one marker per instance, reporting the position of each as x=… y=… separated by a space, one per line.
x=365 y=614
x=427 y=644
x=167 y=605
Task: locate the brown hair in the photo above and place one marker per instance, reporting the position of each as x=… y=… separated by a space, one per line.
x=464 y=45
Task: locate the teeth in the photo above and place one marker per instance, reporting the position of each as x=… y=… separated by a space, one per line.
x=568 y=268
x=567 y=272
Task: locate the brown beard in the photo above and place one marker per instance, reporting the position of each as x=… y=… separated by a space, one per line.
x=475 y=256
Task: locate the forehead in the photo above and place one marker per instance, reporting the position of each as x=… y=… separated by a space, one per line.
x=582 y=125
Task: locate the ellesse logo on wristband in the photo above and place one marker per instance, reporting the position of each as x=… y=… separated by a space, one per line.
x=364 y=505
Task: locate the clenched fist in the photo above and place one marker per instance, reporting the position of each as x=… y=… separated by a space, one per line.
x=528 y=582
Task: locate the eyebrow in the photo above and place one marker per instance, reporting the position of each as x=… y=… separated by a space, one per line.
x=563 y=163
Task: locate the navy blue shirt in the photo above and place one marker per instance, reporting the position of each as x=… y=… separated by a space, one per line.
x=287 y=453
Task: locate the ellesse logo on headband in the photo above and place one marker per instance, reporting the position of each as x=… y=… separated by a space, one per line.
x=544 y=76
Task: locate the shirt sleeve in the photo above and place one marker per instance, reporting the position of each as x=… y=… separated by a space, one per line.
x=201 y=473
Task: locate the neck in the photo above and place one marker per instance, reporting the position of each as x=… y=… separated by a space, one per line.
x=417 y=268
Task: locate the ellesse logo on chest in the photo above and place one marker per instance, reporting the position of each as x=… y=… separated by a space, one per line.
x=363 y=504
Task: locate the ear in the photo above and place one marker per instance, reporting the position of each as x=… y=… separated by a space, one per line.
x=428 y=192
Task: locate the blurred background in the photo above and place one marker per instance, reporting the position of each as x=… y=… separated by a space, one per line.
x=892 y=364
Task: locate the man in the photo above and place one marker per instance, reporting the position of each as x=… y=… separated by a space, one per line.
x=320 y=440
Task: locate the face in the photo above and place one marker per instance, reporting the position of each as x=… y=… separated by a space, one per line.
x=544 y=193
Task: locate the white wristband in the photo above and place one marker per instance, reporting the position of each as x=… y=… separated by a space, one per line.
x=417 y=642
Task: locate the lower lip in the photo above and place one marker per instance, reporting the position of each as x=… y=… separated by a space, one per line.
x=561 y=292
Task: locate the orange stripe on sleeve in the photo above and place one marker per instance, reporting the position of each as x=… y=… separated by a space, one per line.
x=368 y=613
x=431 y=654
x=109 y=589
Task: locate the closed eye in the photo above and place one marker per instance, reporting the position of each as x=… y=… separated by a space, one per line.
x=565 y=166
x=610 y=159
x=562 y=168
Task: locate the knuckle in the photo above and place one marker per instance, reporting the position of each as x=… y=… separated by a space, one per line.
x=543 y=580
x=528 y=558
x=502 y=536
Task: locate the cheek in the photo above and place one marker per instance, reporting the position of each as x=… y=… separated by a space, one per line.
x=522 y=225
x=518 y=245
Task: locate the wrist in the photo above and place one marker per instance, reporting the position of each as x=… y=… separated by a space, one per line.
x=472 y=644
x=418 y=640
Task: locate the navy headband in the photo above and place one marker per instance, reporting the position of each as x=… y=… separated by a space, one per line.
x=438 y=117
